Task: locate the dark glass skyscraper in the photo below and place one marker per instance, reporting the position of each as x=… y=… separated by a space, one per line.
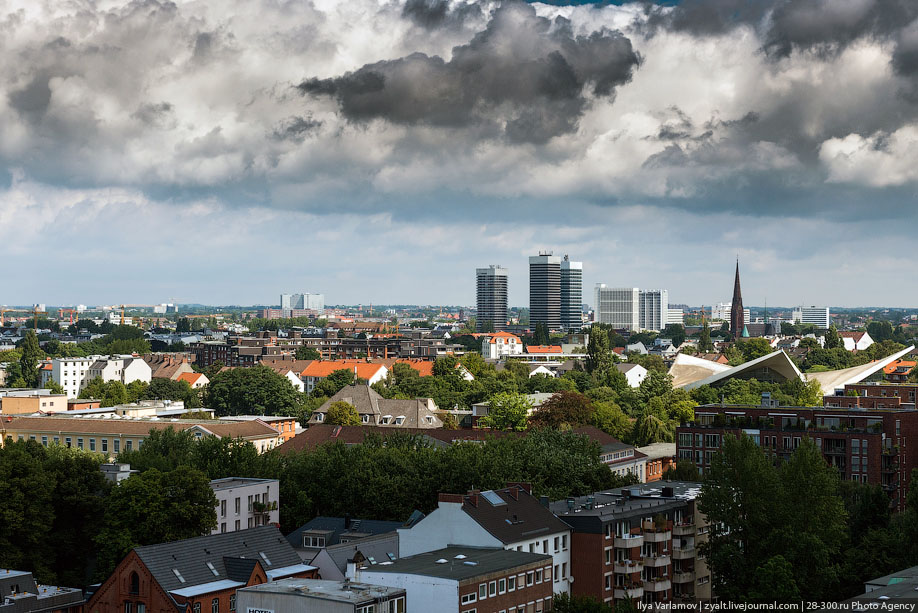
x=491 y=289
x=545 y=290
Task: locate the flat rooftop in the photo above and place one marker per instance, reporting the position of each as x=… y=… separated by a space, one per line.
x=231 y=482
x=623 y=500
x=339 y=591
x=459 y=563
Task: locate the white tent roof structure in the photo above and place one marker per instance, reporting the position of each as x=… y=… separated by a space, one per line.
x=687 y=369
x=832 y=380
x=776 y=362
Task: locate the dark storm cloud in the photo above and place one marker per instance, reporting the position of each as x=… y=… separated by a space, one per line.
x=825 y=26
x=523 y=77
x=432 y=14
x=296 y=128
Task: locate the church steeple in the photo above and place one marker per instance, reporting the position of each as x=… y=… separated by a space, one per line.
x=737 y=319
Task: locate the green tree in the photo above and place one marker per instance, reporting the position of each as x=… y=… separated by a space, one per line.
x=540 y=335
x=308 y=353
x=164 y=450
x=609 y=417
x=507 y=411
x=564 y=409
x=169 y=389
x=154 y=507
x=256 y=390
x=222 y=457
x=599 y=353
x=754 y=348
x=28 y=363
x=651 y=428
x=342 y=413
x=704 y=342
x=565 y=603
x=832 y=340
x=684 y=470
x=55 y=387
x=183 y=325
x=336 y=381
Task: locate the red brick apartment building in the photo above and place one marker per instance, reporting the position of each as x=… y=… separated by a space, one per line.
x=870 y=446
x=199 y=574
x=874 y=396
x=638 y=543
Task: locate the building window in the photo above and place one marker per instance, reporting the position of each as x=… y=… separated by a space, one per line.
x=469 y=598
x=482 y=591
x=223 y=527
x=492 y=589
x=564 y=542
x=511 y=583
x=44 y=441
x=530 y=578
x=313 y=541
x=134 y=584
x=538 y=576
x=232 y=602
x=563 y=570
x=129 y=607
x=215 y=605
x=557 y=544
x=237 y=525
x=105 y=445
x=141 y=607
x=117 y=445
x=223 y=508
x=68 y=441
x=128 y=444
x=92 y=444
x=79 y=443
x=197 y=607
x=501 y=586
x=238 y=504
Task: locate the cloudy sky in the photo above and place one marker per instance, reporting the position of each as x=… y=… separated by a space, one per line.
x=224 y=151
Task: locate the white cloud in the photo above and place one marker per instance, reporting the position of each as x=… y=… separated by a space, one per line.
x=878 y=160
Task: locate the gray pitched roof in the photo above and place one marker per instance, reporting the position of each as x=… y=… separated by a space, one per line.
x=512 y=514
x=368 y=402
x=190 y=557
x=335 y=525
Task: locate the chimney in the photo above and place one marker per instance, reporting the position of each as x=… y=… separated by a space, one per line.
x=543 y=500
x=347 y=521
x=445 y=497
x=473 y=497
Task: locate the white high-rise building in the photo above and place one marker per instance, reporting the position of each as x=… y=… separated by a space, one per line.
x=571 y=294
x=653 y=308
x=314 y=302
x=818 y=316
x=617 y=306
x=721 y=312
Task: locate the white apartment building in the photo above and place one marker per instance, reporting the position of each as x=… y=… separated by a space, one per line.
x=816 y=315
x=721 y=312
x=73 y=374
x=675 y=316
x=617 y=306
x=509 y=518
x=244 y=503
x=500 y=345
x=653 y=309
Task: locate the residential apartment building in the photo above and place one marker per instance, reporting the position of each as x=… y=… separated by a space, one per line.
x=722 y=310
x=874 y=396
x=243 y=502
x=638 y=544
x=571 y=295
x=374 y=410
x=501 y=345
x=320 y=596
x=868 y=446
x=73 y=374
x=653 y=309
x=617 y=306
x=545 y=290
x=491 y=291
x=109 y=435
x=19 y=593
x=318 y=370
x=198 y=574
x=816 y=315
x=509 y=518
x=458 y=579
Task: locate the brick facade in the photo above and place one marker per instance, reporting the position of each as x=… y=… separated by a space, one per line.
x=525 y=589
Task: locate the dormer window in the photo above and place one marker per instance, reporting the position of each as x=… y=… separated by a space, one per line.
x=385 y=420
x=365 y=419
x=320 y=416
x=399 y=420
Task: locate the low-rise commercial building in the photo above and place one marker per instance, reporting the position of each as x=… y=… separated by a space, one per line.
x=320 y=596
x=459 y=579
x=20 y=594
x=26 y=401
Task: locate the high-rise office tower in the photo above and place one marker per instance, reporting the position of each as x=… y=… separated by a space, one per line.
x=491 y=284
x=315 y=302
x=545 y=290
x=816 y=315
x=571 y=294
x=654 y=307
x=617 y=306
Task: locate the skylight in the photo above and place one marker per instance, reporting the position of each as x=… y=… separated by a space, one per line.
x=178 y=575
x=492 y=497
x=264 y=557
x=212 y=569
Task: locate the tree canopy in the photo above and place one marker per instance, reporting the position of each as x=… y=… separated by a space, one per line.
x=257 y=390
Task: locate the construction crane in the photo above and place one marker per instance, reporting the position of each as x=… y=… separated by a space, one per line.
x=3 y=313
x=122 y=314
x=35 y=313
x=60 y=314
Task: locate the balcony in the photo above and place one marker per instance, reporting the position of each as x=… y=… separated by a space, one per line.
x=683 y=553
x=657 y=561
x=628 y=541
x=264 y=508
x=627 y=567
x=657 y=584
x=684 y=577
x=658 y=537
x=621 y=593
x=684 y=529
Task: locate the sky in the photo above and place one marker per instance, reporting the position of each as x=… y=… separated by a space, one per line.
x=226 y=151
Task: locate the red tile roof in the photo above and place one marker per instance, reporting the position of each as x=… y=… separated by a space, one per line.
x=544 y=349
x=899 y=365
x=324 y=368
x=190 y=377
x=506 y=335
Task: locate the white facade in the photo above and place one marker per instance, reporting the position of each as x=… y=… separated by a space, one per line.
x=721 y=312
x=818 y=316
x=246 y=503
x=854 y=342
x=617 y=306
x=501 y=345
x=315 y=302
x=627 y=462
x=448 y=525
x=674 y=317
x=653 y=309
x=73 y=374
x=634 y=373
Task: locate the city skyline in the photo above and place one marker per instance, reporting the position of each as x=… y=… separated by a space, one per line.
x=673 y=138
